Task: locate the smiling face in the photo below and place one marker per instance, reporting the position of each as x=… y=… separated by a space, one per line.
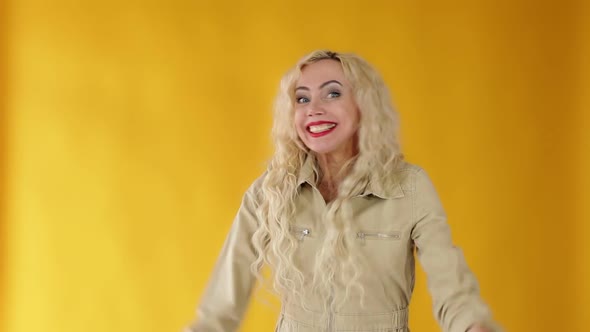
x=326 y=114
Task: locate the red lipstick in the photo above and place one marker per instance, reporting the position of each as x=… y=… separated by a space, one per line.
x=320 y=123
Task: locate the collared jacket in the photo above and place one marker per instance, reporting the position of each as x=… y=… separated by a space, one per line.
x=395 y=225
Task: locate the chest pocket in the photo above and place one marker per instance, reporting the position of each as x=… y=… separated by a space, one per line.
x=365 y=236
x=307 y=245
x=300 y=232
x=386 y=245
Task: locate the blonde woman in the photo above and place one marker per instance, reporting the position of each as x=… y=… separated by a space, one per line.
x=338 y=216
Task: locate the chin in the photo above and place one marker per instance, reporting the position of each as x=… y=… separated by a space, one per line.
x=321 y=149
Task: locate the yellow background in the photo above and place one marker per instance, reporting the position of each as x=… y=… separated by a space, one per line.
x=129 y=131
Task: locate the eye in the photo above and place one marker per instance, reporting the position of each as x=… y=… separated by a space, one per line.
x=301 y=100
x=333 y=94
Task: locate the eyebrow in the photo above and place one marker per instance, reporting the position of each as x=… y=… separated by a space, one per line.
x=321 y=86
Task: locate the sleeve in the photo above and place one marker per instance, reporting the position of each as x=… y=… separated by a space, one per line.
x=454 y=289
x=227 y=295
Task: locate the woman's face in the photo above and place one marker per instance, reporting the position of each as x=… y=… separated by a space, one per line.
x=326 y=114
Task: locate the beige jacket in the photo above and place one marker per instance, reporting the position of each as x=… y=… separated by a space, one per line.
x=394 y=223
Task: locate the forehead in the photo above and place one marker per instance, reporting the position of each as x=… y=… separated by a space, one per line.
x=316 y=73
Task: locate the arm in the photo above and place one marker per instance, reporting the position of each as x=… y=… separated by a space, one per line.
x=226 y=297
x=457 y=304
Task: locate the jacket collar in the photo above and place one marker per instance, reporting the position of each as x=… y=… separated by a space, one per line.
x=308 y=175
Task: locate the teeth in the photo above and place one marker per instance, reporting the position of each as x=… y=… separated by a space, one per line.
x=321 y=128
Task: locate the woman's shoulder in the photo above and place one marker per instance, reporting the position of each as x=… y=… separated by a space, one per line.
x=256 y=185
x=407 y=172
x=405 y=167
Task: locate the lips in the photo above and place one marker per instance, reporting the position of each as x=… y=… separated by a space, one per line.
x=320 y=128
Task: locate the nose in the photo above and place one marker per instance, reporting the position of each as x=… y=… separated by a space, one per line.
x=315 y=108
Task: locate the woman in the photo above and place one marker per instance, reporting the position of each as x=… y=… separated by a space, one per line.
x=338 y=215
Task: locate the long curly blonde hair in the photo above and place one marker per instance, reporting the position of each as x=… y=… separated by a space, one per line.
x=378 y=155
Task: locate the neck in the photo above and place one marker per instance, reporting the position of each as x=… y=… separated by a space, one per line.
x=333 y=170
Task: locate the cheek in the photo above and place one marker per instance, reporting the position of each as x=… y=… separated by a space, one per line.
x=356 y=117
x=299 y=123
x=299 y=119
